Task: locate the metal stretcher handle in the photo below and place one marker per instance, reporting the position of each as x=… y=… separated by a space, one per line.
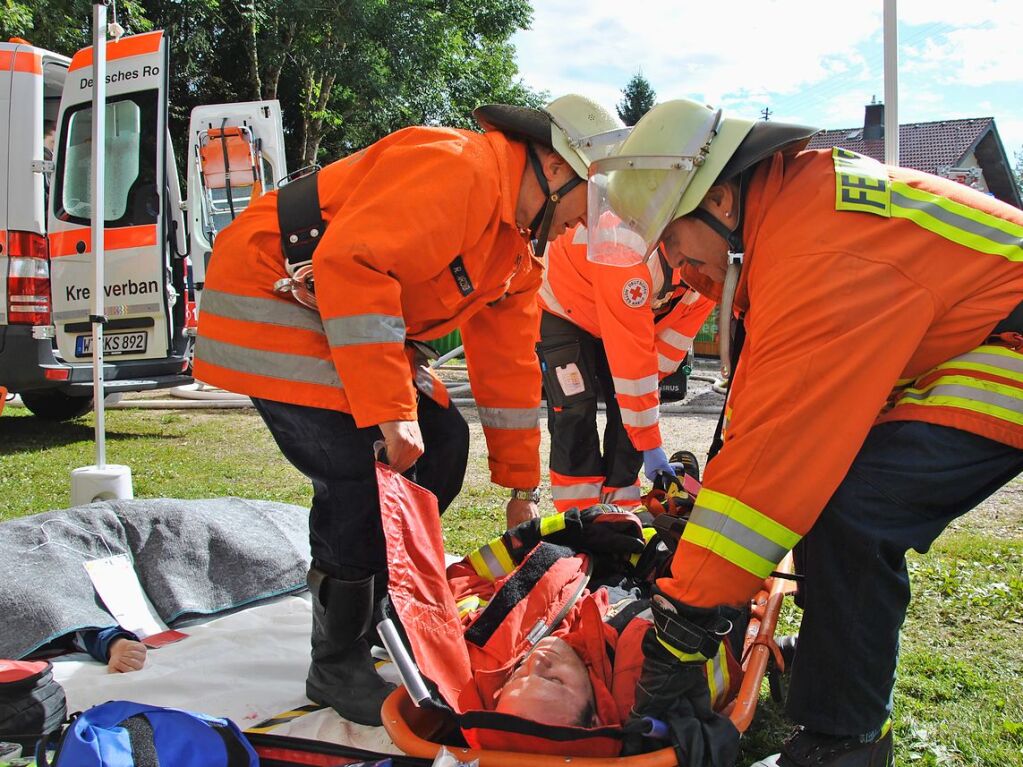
x=407 y=669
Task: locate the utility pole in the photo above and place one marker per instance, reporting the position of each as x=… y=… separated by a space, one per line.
x=766 y=113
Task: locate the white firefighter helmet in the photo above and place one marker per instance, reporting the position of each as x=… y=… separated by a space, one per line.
x=663 y=170
x=577 y=128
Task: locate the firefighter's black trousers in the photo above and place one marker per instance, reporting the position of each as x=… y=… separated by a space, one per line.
x=908 y=482
x=345 y=534
x=572 y=419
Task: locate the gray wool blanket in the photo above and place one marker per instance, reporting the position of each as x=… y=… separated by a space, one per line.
x=192 y=557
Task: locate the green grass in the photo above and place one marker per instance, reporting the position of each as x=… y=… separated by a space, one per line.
x=959 y=698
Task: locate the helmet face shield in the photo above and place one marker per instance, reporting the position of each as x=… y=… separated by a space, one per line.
x=631 y=201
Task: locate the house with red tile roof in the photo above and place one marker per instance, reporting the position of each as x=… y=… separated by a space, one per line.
x=968 y=150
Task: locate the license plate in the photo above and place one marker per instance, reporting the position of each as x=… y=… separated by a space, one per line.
x=113 y=344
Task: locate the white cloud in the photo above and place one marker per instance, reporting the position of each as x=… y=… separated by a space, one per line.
x=806 y=65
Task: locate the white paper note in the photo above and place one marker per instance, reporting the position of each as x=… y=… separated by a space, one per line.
x=118 y=586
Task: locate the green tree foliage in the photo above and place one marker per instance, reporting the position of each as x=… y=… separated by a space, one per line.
x=637 y=98
x=346 y=73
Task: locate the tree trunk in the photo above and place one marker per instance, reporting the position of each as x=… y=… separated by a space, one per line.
x=273 y=71
x=316 y=127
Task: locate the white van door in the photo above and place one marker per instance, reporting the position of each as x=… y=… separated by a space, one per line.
x=236 y=153
x=137 y=294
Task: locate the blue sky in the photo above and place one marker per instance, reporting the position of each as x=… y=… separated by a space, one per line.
x=818 y=63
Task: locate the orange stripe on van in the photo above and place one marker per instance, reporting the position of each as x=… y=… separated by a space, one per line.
x=136 y=45
x=66 y=243
x=22 y=61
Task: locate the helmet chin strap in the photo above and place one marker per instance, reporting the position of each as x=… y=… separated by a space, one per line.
x=733 y=238
x=540 y=226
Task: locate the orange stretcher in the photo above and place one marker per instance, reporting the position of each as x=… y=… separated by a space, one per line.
x=230 y=169
x=420 y=732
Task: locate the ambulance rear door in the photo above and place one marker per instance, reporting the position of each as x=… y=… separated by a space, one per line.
x=137 y=292
x=236 y=154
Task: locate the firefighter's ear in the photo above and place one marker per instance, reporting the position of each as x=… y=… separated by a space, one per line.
x=555 y=167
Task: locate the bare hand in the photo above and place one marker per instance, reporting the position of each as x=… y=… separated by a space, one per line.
x=404 y=443
x=126 y=655
x=518 y=512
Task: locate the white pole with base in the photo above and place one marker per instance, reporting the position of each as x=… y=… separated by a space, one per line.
x=101 y=481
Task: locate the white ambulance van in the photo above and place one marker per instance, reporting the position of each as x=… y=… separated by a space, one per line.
x=46 y=251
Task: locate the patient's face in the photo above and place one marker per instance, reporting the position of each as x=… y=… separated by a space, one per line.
x=551 y=685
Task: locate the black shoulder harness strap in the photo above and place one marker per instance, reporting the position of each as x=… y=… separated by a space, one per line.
x=300 y=219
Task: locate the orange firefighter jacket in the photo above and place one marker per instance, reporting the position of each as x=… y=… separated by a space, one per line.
x=646 y=316
x=421 y=239
x=870 y=294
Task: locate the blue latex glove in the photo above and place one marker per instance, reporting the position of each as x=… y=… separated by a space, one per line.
x=654 y=462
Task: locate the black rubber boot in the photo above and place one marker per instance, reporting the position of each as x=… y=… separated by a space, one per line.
x=342 y=674
x=811 y=749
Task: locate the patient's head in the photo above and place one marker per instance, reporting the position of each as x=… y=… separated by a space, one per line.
x=551 y=685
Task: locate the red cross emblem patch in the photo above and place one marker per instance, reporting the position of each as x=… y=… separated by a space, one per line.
x=635 y=292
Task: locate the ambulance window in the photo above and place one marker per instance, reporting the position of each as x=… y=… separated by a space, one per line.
x=130 y=192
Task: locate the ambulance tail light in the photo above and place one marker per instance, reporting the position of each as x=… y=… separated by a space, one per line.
x=28 y=279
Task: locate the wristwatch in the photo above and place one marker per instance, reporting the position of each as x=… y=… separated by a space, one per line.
x=526 y=494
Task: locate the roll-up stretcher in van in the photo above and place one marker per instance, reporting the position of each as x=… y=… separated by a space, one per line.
x=236 y=154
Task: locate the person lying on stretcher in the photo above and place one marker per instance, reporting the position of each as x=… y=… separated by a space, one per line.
x=572 y=692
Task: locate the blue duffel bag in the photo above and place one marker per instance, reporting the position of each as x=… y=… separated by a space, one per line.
x=120 y=733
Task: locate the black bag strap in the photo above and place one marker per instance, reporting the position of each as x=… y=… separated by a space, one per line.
x=736 y=349
x=140 y=736
x=300 y=219
x=237 y=754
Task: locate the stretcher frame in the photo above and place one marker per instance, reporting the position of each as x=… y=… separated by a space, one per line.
x=233 y=203
x=411 y=728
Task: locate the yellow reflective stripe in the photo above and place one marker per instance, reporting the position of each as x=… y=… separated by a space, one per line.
x=965 y=393
x=959 y=223
x=552 y=524
x=467 y=605
x=492 y=560
x=861 y=183
x=685 y=657
x=738 y=533
x=717 y=678
x=995 y=360
x=649 y=534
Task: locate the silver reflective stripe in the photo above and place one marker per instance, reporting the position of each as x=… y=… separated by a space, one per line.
x=111 y=311
x=575 y=492
x=974 y=394
x=630 y=493
x=365 y=329
x=667 y=364
x=510 y=417
x=493 y=563
x=956 y=221
x=675 y=339
x=424 y=382
x=635 y=387
x=733 y=530
x=268 y=311
x=553 y=304
x=286 y=367
x=639 y=418
x=720 y=684
x=1005 y=362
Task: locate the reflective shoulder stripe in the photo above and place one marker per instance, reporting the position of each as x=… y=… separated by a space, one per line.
x=717 y=677
x=280 y=365
x=635 y=387
x=862 y=185
x=958 y=223
x=639 y=418
x=365 y=329
x=268 y=311
x=509 y=417
x=738 y=533
x=685 y=657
